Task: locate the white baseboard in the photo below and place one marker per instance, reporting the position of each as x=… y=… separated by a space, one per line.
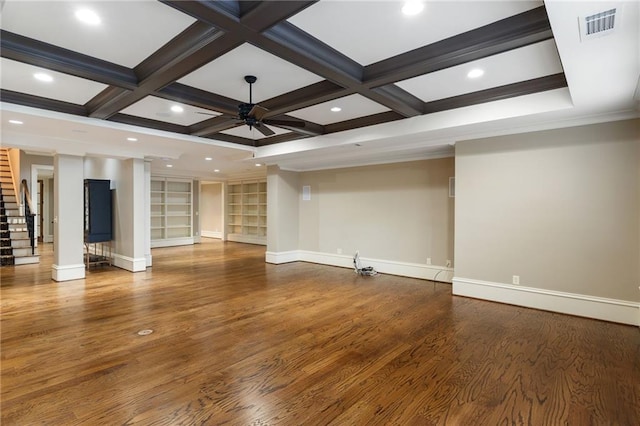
x=282 y=257
x=212 y=234
x=249 y=239
x=67 y=272
x=130 y=264
x=47 y=239
x=171 y=242
x=620 y=311
x=404 y=269
x=148 y=260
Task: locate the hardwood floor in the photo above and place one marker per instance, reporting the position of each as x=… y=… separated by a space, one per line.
x=240 y=342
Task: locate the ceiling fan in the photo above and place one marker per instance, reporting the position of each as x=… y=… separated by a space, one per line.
x=253 y=115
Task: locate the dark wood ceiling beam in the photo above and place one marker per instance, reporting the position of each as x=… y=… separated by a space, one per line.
x=213 y=125
x=511 y=33
x=269 y=13
x=146 y=122
x=224 y=15
x=284 y=137
x=397 y=99
x=313 y=94
x=200 y=98
x=369 y=120
x=232 y=139
x=180 y=51
x=107 y=97
x=309 y=129
x=45 y=55
x=294 y=45
x=41 y=103
x=537 y=85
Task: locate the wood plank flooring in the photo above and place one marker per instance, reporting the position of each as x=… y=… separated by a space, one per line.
x=240 y=342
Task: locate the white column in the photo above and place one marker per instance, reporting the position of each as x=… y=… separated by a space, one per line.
x=147 y=213
x=68 y=227
x=282 y=215
x=130 y=218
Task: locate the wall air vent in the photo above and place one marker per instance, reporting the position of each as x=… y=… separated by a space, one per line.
x=598 y=24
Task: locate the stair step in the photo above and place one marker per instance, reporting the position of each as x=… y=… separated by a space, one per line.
x=20 y=243
x=21 y=235
x=23 y=252
x=26 y=260
x=11 y=205
x=9 y=198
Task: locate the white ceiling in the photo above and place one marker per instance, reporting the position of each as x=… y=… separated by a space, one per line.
x=19 y=77
x=225 y=75
x=369 y=31
x=437 y=85
x=160 y=109
x=602 y=76
x=55 y=22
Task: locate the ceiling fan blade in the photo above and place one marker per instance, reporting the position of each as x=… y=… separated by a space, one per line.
x=286 y=123
x=258 y=112
x=264 y=130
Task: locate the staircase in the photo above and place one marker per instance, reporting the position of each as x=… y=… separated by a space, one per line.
x=15 y=244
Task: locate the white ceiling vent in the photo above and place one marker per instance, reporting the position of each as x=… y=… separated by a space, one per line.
x=598 y=24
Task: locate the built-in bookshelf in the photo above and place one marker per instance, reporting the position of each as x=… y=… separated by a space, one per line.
x=247 y=211
x=171 y=212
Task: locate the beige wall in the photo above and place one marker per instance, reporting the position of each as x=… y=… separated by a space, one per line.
x=211 y=207
x=559 y=208
x=396 y=212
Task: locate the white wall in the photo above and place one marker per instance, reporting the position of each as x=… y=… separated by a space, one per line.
x=560 y=209
x=211 y=220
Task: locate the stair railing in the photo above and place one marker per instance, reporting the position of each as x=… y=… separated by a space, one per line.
x=29 y=216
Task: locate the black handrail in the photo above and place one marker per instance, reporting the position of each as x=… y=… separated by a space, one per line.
x=29 y=217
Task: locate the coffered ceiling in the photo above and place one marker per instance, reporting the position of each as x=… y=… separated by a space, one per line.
x=327 y=71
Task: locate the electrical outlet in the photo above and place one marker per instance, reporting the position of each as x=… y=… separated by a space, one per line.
x=339 y=251
x=516 y=279
x=428 y=261
x=448 y=263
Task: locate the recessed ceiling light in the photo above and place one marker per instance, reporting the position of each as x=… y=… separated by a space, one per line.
x=216 y=170
x=88 y=16
x=43 y=77
x=169 y=165
x=208 y=158
x=412 y=7
x=132 y=139
x=336 y=109
x=475 y=73
x=15 y=122
x=258 y=165
x=177 y=108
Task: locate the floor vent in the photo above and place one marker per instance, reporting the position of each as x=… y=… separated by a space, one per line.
x=598 y=24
